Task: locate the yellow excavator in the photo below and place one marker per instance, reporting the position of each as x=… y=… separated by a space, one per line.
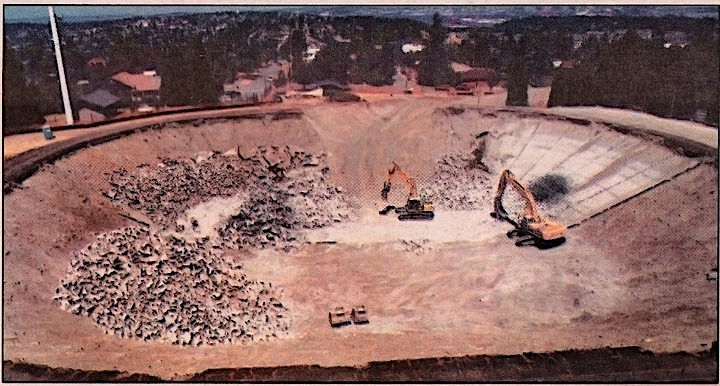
x=416 y=208
x=531 y=229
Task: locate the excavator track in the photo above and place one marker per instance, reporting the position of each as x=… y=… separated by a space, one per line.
x=416 y=216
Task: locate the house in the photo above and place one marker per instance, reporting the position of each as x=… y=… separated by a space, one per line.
x=255 y=86
x=311 y=53
x=86 y=115
x=98 y=105
x=141 y=88
x=570 y=63
x=246 y=88
x=330 y=85
x=478 y=74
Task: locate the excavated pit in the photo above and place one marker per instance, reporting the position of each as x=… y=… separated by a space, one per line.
x=288 y=216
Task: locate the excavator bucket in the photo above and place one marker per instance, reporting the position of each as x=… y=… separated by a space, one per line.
x=385 y=191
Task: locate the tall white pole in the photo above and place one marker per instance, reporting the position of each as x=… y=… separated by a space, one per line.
x=61 y=70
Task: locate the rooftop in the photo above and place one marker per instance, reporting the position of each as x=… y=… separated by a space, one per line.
x=101 y=98
x=139 y=82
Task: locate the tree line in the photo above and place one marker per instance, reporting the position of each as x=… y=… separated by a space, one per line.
x=195 y=61
x=644 y=75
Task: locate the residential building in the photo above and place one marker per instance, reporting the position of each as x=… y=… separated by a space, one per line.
x=141 y=89
x=97 y=106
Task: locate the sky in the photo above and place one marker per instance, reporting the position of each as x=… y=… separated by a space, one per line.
x=33 y=12
x=39 y=14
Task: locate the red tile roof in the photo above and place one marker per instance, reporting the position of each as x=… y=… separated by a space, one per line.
x=138 y=82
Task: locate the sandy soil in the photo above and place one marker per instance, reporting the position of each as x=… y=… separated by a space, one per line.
x=16 y=144
x=631 y=276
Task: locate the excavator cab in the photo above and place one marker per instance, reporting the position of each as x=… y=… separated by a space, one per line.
x=415 y=204
x=531 y=228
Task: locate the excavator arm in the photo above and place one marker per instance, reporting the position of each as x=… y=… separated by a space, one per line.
x=394 y=169
x=530 y=210
x=531 y=222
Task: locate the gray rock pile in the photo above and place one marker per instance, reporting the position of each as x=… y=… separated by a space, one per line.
x=288 y=189
x=459 y=184
x=273 y=214
x=137 y=284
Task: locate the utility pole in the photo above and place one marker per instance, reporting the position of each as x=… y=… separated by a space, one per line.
x=61 y=70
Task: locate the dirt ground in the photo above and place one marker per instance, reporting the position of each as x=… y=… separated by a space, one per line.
x=634 y=275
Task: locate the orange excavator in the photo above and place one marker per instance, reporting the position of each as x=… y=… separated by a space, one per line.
x=531 y=228
x=416 y=208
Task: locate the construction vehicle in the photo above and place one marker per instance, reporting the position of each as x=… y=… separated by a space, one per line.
x=359 y=315
x=531 y=228
x=415 y=208
x=338 y=317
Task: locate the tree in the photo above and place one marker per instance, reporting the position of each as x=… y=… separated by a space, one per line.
x=435 y=66
x=204 y=88
x=643 y=75
x=298 y=46
x=187 y=79
x=174 y=89
x=332 y=62
x=280 y=79
x=20 y=107
x=375 y=66
x=517 y=79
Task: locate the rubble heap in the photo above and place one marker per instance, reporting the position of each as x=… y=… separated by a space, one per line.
x=288 y=189
x=135 y=284
x=273 y=214
x=459 y=184
x=164 y=191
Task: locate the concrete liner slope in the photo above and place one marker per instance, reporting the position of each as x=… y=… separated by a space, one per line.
x=603 y=166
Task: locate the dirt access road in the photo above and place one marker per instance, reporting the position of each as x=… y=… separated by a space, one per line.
x=623 y=278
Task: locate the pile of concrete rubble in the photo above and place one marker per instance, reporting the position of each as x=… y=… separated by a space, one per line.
x=138 y=284
x=288 y=190
x=459 y=184
x=163 y=281
x=274 y=213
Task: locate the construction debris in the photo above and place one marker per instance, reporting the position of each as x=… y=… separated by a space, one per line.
x=167 y=280
x=288 y=191
x=137 y=284
x=459 y=183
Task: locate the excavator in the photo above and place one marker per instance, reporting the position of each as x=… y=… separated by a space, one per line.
x=416 y=208
x=531 y=229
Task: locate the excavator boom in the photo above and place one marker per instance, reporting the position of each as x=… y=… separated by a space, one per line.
x=531 y=223
x=394 y=169
x=416 y=208
x=531 y=210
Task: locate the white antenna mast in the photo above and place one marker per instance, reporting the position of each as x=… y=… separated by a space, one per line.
x=61 y=70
